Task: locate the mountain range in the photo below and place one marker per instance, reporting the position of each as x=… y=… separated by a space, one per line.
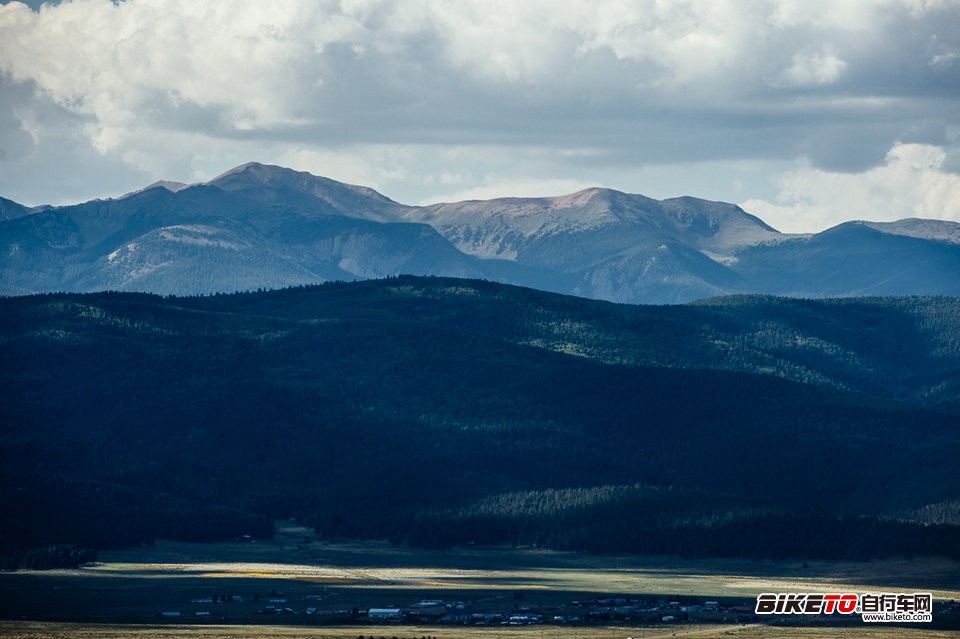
x=265 y=227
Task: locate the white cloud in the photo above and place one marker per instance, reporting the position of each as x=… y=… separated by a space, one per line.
x=129 y=62
x=945 y=60
x=911 y=183
x=482 y=92
x=813 y=69
x=851 y=15
x=260 y=66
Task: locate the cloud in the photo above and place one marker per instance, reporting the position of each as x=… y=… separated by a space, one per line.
x=813 y=69
x=912 y=182
x=299 y=63
x=492 y=91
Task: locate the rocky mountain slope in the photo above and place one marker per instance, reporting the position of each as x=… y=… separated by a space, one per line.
x=261 y=226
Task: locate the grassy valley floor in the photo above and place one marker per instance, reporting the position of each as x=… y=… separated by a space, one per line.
x=297 y=585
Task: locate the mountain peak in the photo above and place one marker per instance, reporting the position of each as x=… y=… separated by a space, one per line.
x=170 y=185
x=10 y=209
x=583 y=197
x=939 y=230
x=267 y=182
x=255 y=170
x=260 y=225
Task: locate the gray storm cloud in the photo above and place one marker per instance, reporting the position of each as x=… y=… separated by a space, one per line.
x=428 y=99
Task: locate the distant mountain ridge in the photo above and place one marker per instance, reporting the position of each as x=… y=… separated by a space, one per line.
x=259 y=226
x=10 y=209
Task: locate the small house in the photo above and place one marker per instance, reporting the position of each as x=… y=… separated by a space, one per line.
x=385 y=614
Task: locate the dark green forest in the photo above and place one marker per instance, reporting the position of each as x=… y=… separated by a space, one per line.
x=436 y=412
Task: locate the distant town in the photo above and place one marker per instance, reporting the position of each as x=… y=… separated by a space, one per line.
x=311 y=609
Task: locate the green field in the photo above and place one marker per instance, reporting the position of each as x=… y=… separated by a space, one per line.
x=133 y=587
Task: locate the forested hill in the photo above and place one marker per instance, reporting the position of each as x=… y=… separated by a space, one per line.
x=440 y=411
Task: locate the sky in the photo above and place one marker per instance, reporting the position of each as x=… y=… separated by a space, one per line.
x=806 y=113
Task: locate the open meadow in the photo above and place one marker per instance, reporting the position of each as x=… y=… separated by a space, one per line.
x=297 y=585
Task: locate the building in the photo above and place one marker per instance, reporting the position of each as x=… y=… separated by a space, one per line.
x=385 y=614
